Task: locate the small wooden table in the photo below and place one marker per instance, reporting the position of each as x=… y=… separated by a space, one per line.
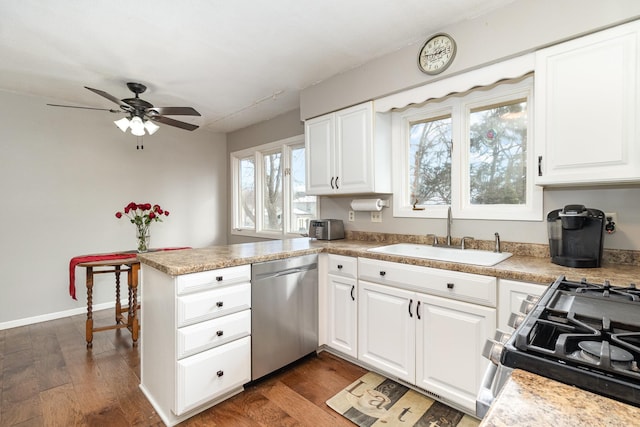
x=129 y=265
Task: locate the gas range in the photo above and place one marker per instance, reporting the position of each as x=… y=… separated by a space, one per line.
x=582 y=334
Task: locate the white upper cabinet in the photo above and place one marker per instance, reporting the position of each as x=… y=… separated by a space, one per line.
x=348 y=152
x=586 y=109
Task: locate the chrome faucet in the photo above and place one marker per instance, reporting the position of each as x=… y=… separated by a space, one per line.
x=497 y=243
x=449 y=221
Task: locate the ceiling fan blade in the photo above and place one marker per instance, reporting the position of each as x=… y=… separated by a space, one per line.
x=109 y=97
x=86 y=108
x=175 y=111
x=172 y=122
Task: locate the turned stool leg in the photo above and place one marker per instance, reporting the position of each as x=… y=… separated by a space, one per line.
x=133 y=304
x=118 y=306
x=89 y=325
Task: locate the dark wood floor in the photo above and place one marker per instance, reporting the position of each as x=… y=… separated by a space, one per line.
x=49 y=378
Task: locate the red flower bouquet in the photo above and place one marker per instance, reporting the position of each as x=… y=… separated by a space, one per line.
x=142 y=215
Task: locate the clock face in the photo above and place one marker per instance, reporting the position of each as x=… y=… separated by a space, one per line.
x=437 y=54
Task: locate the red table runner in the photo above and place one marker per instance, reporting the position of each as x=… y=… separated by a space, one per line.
x=102 y=257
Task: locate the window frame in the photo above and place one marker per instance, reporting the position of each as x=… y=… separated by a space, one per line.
x=285 y=148
x=459 y=106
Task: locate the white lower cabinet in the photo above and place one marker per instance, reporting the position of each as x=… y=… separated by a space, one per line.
x=430 y=341
x=196 y=346
x=511 y=293
x=386 y=330
x=450 y=336
x=342 y=304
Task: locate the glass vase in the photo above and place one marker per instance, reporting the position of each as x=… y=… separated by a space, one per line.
x=142 y=239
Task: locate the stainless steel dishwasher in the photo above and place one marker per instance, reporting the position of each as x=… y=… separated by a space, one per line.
x=284 y=318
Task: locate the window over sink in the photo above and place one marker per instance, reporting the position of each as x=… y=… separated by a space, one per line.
x=472 y=151
x=268 y=190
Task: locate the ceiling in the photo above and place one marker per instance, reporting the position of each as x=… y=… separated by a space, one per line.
x=237 y=62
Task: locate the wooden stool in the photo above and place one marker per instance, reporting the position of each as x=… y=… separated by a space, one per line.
x=129 y=265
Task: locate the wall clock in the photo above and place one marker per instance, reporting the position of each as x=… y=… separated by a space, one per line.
x=437 y=54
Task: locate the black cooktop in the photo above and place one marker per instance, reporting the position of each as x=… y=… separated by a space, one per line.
x=582 y=334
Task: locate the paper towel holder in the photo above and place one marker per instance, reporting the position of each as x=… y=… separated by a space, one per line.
x=373 y=205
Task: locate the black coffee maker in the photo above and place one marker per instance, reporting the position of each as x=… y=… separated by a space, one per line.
x=576 y=236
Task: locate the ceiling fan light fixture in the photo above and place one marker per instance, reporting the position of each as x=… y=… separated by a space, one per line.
x=151 y=127
x=137 y=127
x=123 y=124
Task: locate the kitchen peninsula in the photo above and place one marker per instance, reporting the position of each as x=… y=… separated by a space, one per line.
x=175 y=282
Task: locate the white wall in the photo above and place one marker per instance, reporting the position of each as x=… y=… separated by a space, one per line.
x=521 y=26
x=63 y=175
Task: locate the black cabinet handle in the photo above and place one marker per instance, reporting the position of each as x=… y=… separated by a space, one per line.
x=418 y=310
x=219 y=304
x=539 y=165
x=353 y=288
x=219 y=278
x=410 y=304
x=332 y=187
x=339 y=266
x=220 y=373
x=337 y=187
x=382 y=273
x=450 y=285
x=220 y=333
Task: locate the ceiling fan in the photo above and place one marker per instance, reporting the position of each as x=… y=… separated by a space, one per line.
x=141 y=114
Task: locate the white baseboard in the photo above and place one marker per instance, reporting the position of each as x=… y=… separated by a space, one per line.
x=57 y=315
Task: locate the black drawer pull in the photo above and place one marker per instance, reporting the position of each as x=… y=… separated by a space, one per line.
x=220 y=373
x=339 y=266
x=450 y=285
x=383 y=273
x=332 y=187
x=353 y=288
x=219 y=304
x=220 y=333
x=418 y=310
x=410 y=304
x=219 y=278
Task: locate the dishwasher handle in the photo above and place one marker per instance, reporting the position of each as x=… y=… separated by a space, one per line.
x=287 y=272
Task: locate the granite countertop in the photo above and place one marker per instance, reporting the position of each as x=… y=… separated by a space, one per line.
x=529 y=400
x=518 y=267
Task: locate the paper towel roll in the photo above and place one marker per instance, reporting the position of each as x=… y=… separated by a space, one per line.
x=367 y=204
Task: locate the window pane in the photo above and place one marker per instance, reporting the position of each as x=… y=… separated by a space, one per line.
x=247 y=208
x=303 y=207
x=497 y=154
x=272 y=196
x=430 y=162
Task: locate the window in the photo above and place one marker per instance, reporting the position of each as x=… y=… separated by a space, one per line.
x=277 y=171
x=469 y=151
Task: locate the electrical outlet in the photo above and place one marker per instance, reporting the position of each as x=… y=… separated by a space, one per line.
x=614 y=219
x=376 y=216
x=352 y=216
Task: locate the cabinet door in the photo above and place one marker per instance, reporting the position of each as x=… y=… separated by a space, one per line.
x=587 y=106
x=342 y=315
x=319 y=141
x=386 y=329
x=354 y=149
x=510 y=297
x=450 y=337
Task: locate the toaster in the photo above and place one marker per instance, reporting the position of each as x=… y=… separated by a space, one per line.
x=326 y=229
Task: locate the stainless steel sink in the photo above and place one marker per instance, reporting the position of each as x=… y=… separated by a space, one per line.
x=462 y=256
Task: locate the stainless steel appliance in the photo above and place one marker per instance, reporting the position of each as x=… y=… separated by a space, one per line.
x=578 y=333
x=326 y=229
x=576 y=236
x=284 y=318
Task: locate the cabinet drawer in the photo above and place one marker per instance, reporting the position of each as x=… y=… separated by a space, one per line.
x=214 y=303
x=345 y=266
x=213 y=333
x=193 y=282
x=207 y=375
x=450 y=284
